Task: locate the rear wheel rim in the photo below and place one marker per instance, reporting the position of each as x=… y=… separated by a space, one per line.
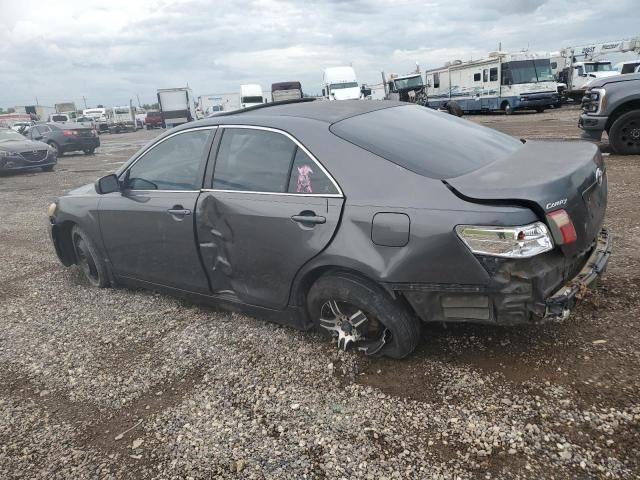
x=630 y=134
x=352 y=326
x=85 y=260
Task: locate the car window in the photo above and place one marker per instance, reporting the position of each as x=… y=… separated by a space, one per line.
x=253 y=160
x=173 y=164
x=34 y=132
x=307 y=177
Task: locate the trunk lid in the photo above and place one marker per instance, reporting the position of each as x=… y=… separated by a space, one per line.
x=546 y=176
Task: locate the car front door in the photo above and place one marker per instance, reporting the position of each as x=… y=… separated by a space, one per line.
x=267 y=209
x=148 y=227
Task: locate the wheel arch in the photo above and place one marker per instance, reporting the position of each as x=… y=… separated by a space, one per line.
x=621 y=110
x=63 y=243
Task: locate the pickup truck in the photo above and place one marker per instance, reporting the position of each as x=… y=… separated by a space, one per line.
x=612 y=105
x=153 y=120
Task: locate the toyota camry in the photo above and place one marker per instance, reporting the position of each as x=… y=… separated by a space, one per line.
x=362 y=219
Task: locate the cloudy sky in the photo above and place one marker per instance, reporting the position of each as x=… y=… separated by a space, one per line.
x=108 y=53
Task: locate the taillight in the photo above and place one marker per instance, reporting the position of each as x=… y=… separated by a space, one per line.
x=562 y=226
x=69 y=133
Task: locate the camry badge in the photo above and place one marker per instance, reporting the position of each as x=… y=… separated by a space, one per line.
x=599 y=175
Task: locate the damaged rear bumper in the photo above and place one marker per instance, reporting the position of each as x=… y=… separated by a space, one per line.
x=560 y=303
x=545 y=287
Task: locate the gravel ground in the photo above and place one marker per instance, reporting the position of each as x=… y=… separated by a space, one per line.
x=121 y=383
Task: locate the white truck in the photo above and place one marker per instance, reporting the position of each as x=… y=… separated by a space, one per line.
x=123 y=119
x=101 y=116
x=218 y=102
x=500 y=82
x=177 y=106
x=575 y=67
x=251 y=95
x=340 y=83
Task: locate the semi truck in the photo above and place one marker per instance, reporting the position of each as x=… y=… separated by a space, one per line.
x=340 y=83
x=177 y=106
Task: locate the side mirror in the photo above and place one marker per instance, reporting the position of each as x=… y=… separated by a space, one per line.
x=107 y=184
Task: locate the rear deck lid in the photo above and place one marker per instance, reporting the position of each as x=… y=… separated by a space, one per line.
x=546 y=176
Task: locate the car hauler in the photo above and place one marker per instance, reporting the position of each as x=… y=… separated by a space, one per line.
x=502 y=81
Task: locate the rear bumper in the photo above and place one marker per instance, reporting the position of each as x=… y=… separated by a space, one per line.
x=537 y=100
x=519 y=292
x=80 y=143
x=560 y=303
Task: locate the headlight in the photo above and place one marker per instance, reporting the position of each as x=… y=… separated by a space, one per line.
x=597 y=97
x=511 y=242
x=7 y=154
x=51 y=209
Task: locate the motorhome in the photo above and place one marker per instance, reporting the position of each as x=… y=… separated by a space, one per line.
x=177 y=106
x=286 y=91
x=219 y=102
x=501 y=82
x=123 y=119
x=340 y=83
x=101 y=117
x=250 y=95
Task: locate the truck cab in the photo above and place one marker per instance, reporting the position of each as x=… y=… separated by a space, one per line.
x=340 y=83
x=404 y=88
x=584 y=72
x=250 y=95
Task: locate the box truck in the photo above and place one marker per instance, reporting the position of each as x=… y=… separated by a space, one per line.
x=177 y=106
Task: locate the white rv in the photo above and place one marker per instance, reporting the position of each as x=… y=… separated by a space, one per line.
x=502 y=81
x=340 y=83
x=177 y=106
x=250 y=95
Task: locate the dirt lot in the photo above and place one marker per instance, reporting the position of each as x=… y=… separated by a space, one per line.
x=118 y=383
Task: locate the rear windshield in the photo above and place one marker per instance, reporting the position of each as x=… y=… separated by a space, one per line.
x=429 y=143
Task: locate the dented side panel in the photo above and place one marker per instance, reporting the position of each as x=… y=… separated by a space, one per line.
x=250 y=246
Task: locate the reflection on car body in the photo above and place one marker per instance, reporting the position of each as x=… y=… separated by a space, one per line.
x=359 y=218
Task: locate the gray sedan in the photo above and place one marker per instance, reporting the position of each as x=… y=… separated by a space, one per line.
x=363 y=219
x=18 y=153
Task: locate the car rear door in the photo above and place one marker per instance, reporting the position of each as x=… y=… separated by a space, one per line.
x=148 y=228
x=267 y=208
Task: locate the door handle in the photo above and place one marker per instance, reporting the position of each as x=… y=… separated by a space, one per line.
x=309 y=219
x=179 y=211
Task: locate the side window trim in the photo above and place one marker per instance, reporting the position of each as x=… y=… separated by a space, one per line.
x=125 y=172
x=298 y=145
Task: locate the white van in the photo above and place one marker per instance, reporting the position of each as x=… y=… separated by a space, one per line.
x=340 y=83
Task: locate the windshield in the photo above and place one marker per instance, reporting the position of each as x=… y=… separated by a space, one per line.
x=10 y=136
x=120 y=110
x=527 y=71
x=338 y=86
x=254 y=99
x=403 y=83
x=597 y=67
x=59 y=118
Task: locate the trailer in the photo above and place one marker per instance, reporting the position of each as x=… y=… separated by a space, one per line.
x=500 y=82
x=218 y=102
x=177 y=106
x=282 y=91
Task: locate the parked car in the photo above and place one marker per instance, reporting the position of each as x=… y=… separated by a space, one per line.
x=18 y=153
x=612 y=105
x=86 y=122
x=154 y=120
x=69 y=137
x=359 y=218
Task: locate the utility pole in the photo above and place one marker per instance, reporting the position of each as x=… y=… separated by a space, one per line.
x=85 y=102
x=138 y=97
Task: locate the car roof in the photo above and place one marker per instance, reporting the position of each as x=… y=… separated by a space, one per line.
x=323 y=111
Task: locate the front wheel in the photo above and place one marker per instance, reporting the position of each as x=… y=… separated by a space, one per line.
x=624 y=134
x=57 y=148
x=540 y=109
x=89 y=151
x=508 y=109
x=88 y=259
x=360 y=314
